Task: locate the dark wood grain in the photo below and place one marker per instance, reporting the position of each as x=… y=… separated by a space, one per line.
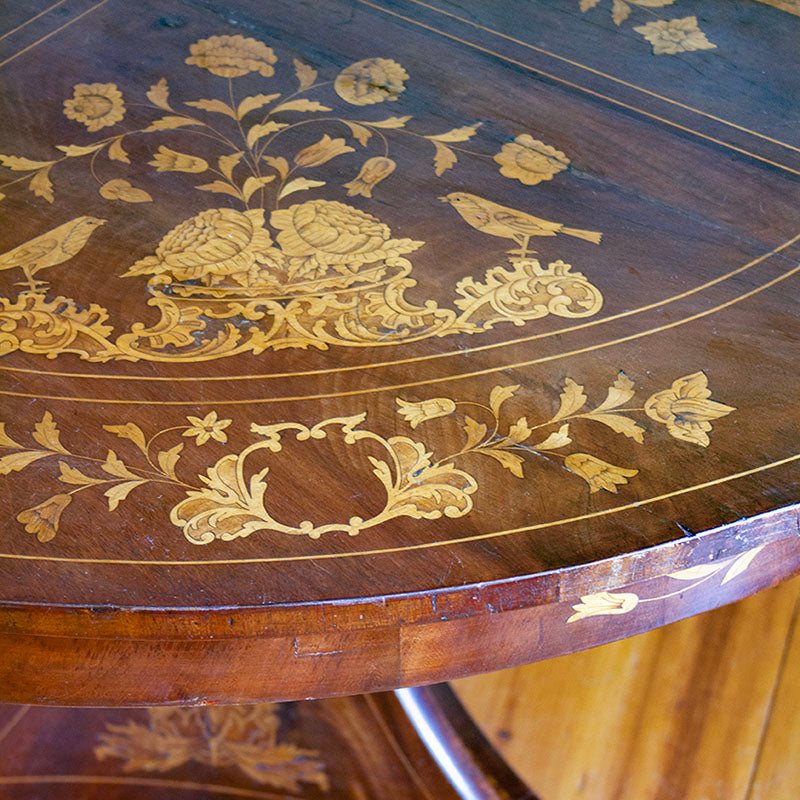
x=359 y=747
x=171 y=578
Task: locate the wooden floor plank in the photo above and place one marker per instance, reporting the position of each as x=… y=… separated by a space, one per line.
x=675 y=714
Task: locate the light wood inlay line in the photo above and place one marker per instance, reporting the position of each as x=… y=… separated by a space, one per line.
x=584 y=89
x=426 y=545
x=32 y=19
x=776 y=3
x=395 y=362
x=445 y=379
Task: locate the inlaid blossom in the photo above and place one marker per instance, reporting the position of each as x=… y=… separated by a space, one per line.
x=673 y=36
x=166 y=160
x=529 y=160
x=215 y=244
x=96 y=105
x=597 y=473
x=330 y=232
x=43 y=519
x=207 y=428
x=425 y=410
x=686 y=410
x=320 y=152
x=372 y=172
x=593 y=605
x=371 y=81
x=232 y=56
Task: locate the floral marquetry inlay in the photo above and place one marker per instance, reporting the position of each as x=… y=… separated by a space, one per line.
x=231 y=500
x=281 y=270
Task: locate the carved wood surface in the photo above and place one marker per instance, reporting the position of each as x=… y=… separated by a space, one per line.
x=387 y=342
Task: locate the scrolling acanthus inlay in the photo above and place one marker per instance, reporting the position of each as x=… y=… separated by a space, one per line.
x=231 y=500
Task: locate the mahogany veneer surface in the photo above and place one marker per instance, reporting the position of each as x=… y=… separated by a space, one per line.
x=352 y=345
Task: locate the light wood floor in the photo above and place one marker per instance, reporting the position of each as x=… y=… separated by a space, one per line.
x=704 y=709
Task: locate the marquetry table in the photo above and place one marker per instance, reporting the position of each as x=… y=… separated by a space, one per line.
x=349 y=346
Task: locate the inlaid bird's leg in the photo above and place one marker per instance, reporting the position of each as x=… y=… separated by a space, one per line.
x=522 y=251
x=32 y=284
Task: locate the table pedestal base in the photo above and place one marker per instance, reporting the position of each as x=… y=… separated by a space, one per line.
x=417 y=743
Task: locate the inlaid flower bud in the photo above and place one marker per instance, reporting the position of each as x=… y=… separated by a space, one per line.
x=373 y=171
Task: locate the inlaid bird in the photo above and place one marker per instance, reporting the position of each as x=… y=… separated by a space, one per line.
x=509 y=223
x=50 y=249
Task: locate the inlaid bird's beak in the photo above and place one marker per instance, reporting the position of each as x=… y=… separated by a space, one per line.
x=444 y=199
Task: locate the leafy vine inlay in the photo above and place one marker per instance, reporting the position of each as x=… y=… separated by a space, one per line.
x=231 y=500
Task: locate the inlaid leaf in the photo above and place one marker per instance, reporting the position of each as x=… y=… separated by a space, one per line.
x=618 y=394
x=117 y=493
x=559 y=438
x=75 y=150
x=167 y=459
x=252 y=184
x=114 y=465
x=389 y=122
x=215 y=106
x=620 y=424
x=19 y=164
x=696 y=572
x=306 y=75
x=360 y=133
x=499 y=395
x=519 y=431
x=511 y=461
x=262 y=129
x=17 y=461
x=587 y=4
x=228 y=163
x=129 y=431
x=299 y=185
x=116 y=152
x=456 y=135
x=475 y=432
x=75 y=476
x=41 y=185
x=46 y=433
x=741 y=563
x=300 y=105
x=5 y=439
x=443 y=159
x=280 y=165
x=253 y=102
x=159 y=94
x=170 y=122
x=620 y=11
x=221 y=187
x=120 y=189
x=572 y=400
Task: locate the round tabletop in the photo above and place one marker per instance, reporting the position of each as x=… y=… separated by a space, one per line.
x=355 y=345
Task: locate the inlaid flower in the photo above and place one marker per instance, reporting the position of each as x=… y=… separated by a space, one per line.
x=43 y=519
x=232 y=56
x=216 y=243
x=593 y=605
x=529 y=160
x=673 y=36
x=96 y=105
x=334 y=233
x=207 y=428
x=371 y=81
x=425 y=410
x=166 y=160
x=597 y=473
x=686 y=410
x=320 y=152
x=372 y=172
